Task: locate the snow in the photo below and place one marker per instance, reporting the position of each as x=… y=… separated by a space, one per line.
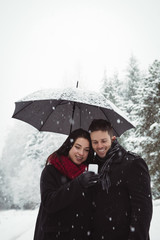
x=20 y=225
x=75 y=94
x=72 y=94
x=60 y=111
x=17 y=224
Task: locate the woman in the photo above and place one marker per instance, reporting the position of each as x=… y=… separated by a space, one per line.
x=65 y=210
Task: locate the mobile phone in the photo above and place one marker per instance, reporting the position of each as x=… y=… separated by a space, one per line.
x=93 y=168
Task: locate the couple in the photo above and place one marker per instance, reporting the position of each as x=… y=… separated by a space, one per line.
x=76 y=204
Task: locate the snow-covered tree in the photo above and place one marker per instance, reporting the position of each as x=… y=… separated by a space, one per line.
x=2 y=194
x=112 y=88
x=23 y=158
x=130 y=103
x=145 y=114
x=11 y=158
x=133 y=79
x=150 y=124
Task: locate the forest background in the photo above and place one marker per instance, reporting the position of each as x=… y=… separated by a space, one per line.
x=26 y=149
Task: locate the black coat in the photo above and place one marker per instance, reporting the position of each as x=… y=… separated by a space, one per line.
x=125 y=211
x=65 y=208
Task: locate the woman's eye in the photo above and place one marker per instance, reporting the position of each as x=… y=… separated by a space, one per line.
x=77 y=147
x=87 y=150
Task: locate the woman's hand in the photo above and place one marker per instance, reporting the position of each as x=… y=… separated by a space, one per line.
x=88 y=179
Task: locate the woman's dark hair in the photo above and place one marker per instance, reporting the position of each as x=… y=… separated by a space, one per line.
x=101 y=125
x=69 y=142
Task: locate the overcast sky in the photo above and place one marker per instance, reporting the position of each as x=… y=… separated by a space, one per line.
x=54 y=43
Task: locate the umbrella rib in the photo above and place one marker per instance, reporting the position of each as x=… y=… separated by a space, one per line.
x=30 y=102
x=109 y=121
x=74 y=103
x=59 y=103
x=77 y=104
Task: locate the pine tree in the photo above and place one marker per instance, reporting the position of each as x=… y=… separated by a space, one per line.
x=2 y=195
x=141 y=103
x=131 y=104
x=112 y=88
x=24 y=155
x=133 y=79
x=150 y=124
x=133 y=87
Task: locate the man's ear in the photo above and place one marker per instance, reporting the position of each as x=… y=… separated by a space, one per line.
x=113 y=138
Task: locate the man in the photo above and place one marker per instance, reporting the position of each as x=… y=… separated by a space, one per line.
x=122 y=199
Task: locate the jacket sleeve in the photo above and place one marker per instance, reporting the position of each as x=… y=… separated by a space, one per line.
x=56 y=195
x=140 y=199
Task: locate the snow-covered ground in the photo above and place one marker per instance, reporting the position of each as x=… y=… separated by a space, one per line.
x=19 y=225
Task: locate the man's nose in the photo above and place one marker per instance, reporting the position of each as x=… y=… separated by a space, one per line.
x=100 y=145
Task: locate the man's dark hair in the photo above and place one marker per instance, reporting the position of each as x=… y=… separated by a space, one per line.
x=101 y=125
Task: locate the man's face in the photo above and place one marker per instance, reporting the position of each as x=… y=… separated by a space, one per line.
x=101 y=142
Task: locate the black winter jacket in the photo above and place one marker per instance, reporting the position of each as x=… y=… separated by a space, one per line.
x=65 y=208
x=124 y=213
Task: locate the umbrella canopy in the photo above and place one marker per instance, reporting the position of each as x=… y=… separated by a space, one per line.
x=64 y=110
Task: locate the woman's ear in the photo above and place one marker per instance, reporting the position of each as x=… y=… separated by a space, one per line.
x=113 y=138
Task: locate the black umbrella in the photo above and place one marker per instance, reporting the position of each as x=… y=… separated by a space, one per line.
x=64 y=110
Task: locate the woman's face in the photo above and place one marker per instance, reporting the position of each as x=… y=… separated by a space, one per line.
x=79 y=151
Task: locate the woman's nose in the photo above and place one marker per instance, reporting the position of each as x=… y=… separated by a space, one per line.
x=80 y=152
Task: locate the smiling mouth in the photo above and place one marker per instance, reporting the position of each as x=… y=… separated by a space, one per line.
x=79 y=158
x=101 y=150
x=101 y=153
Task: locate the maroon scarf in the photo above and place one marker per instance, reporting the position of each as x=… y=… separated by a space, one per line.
x=66 y=166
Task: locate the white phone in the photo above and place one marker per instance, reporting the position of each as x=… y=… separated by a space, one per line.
x=93 y=168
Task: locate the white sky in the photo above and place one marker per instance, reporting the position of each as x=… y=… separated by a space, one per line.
x=54 y=43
